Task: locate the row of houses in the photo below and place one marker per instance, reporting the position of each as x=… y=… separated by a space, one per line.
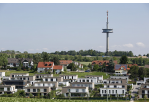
x=70 y=85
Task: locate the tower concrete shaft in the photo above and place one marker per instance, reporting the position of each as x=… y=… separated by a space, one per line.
x=107 y=47
x=107 y=31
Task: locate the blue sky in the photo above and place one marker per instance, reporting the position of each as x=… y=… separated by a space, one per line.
x=72 y=26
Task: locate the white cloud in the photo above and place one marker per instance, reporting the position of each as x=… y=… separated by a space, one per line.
x=128 y=45
x=140 y=44
x=37 y=49
x=31 y=49
x=116 y=46
x=45 y=49
x=101 y=46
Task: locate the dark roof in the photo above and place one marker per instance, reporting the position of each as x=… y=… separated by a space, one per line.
x=25 y=59
x=13 y=60
x=118 y=66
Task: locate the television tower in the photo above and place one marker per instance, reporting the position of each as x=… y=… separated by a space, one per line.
x=107 y=31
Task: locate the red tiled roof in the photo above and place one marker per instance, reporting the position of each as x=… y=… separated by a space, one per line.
x=57 y=67
x=64 y=62
x=146 y=66
x=101 y=62
x=131 y=65
x=45 y=64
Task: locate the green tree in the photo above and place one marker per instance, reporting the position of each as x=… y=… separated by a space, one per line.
x=90 y=66
x=142 y=72
x=56 y=61
x=96 y=67
x=72 y=66
x=31 y=95
x=124 y=59
x=111 y=65
x=45 y=57
x=3 y=60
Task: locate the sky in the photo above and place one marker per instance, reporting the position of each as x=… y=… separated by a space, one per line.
x=50 y=27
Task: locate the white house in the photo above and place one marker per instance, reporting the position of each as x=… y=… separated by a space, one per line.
x=69 y=78
x=94 y=80
x=2 y=74
x=114 y=87
x=146 y=79
x=119 y=77
x=99 y=77
x=49 y=66
x=75 y=91
x=144 y=90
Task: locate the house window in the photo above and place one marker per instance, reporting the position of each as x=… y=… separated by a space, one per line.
x=143 y=92
x=87 y=80
x=109 y=91
x=116 y=91
x=34 y=90
x=77 y=90
x=28 y=78
x=23 y=78
x=46 y=80
x=123 y=86
x=123 y=91
x=51 y=79
x=102 y=91
x=83 y=80
x=38 y=90
x=112 y=91
x=28 y=90
x=12 y=75
x=80 y=80
x=45 y=90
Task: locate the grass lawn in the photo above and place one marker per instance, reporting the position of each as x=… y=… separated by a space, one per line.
x=8 y=72
x=86 y=63
x=82 y=74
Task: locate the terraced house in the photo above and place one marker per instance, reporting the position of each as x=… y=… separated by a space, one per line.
x=46 y=84
x=39 y=76
x=13 y=75
x=94 y=80
x=19 y=84
x=75 y=91
x=144 y=91
x=90 y=85
x=69 y=78
x=99 y=77
x=114 y=87
x=53 y=79
x=37 y=90
x=9 y=89
x=27 y=78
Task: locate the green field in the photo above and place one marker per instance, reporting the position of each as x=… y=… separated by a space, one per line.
x=14 y=99
x=80 y=74
x=8 y=72
x=86 y=63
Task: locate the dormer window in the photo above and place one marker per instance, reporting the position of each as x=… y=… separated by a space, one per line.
x=100 y=63
x=122 y=68
x=45 y=64
x=50 y=64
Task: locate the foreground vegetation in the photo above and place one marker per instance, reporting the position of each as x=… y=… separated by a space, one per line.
x=14 y=99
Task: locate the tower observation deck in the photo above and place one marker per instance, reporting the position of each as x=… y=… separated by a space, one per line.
x=107 y=30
